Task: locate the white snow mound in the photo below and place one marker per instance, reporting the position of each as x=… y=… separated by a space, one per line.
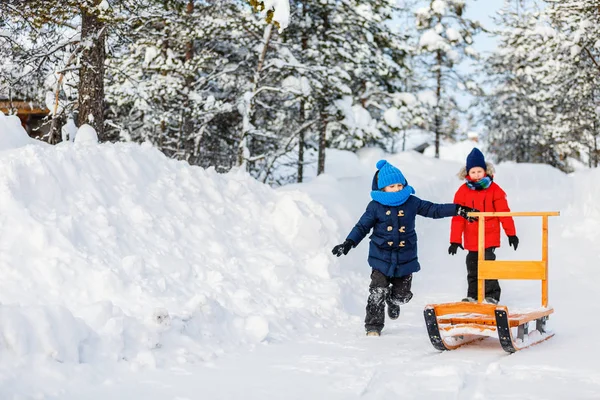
x=137 y=256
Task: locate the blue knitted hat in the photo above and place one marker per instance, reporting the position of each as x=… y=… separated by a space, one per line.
x=475 y=159
x=388 y=175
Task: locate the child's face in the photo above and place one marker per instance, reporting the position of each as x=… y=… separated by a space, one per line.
x=396 y=187
x=476 y=173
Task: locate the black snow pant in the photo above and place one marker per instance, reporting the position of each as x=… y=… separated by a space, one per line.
x=380 y=293
x=492 y=287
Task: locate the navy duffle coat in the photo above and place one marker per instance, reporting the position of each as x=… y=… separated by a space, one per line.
x=393 y=247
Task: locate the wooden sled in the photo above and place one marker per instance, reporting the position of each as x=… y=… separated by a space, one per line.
x=451 y=325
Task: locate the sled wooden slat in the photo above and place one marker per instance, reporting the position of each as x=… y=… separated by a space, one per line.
x=512 y=270
x=519 y=319
x=485 y=319
x=464 y=307
x=481 y=328
x=467 y=319
x=545 y=260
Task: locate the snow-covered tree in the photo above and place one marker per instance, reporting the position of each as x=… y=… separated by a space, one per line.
x=354 y=64
x=205 y=82
x=62 y=44
x=35 y=58
x=222 y=83
x=515 y=117
x=160 y=78
x=89 y=19
x=576 y=77
x=544 y=103
x=446 y=39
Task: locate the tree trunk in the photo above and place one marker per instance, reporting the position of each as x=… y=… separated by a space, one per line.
x=596 y=152
x=438 y=94
x=186 y=123
x=91 y=73
x=54 y=135
x=189 y=50
x=301 y=145
x=243 y=150
x=301 y=136
x=322 y=145
x=323 y=131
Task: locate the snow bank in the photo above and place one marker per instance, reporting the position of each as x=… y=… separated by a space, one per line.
x=12 y=135
x=150 y=260
x=86 y=134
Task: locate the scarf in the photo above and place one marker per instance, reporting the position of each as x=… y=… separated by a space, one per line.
x=481 y=184
x=392 y=198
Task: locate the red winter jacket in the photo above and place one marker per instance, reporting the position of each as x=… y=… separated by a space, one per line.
x=490 y=199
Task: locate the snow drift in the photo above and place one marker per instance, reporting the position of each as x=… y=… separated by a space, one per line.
x=114 y=252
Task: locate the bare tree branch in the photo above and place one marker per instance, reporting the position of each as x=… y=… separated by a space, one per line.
x=589 y=53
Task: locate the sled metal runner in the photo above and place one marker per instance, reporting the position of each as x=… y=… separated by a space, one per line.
x=451 y=325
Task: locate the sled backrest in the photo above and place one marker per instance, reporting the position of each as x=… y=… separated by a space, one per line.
x=535 y=270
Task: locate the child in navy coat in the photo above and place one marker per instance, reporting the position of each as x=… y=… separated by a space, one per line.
x=393 y=247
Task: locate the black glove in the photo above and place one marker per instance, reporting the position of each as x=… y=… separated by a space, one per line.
x=462 y=211
x=343 y=248
x=454 y=247
x=513 y=241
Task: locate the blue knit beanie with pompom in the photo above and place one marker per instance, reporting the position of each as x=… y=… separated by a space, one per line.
x=388 y=175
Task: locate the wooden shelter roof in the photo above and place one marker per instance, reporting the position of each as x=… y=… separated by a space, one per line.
x=23 y=107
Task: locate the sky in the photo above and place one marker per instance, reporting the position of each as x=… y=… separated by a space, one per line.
x=483 y=11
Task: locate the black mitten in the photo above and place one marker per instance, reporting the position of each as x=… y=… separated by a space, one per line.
x=462 y=211
x=454 y=248
x=343 y=248
x=513 y=241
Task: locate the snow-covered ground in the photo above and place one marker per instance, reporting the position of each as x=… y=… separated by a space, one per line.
x=125 y=275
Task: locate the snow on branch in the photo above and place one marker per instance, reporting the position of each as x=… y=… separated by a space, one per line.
x=589 y=53
x=277 y=11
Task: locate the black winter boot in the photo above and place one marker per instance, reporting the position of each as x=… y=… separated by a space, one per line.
x=399 y=294
x=393 y=310
x=375 y=309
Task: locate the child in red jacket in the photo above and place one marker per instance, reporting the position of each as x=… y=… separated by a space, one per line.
x=480 y=192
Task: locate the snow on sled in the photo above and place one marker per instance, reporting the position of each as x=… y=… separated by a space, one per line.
x=451 y=325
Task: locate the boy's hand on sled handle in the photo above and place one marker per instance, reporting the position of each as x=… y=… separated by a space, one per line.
x=513 y=241
x=454 y=248
x=462 y=211
x=343 y=248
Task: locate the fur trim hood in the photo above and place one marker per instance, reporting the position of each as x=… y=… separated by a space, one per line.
x=489 y=170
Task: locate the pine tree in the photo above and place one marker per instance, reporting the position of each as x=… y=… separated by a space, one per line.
x=205 y=82
x=34 y=53
x=160 y=78
x=94 y=17
x=446 y=40
x=68 y=38
x=354 y=65
x=516 y=116
x=576 y=80
x=545 y=102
